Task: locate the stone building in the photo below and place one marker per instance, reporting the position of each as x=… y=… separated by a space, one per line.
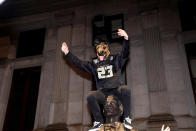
x=158 y=72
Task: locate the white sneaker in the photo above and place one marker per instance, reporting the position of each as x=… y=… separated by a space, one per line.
x=96 y=126
x=127 y=123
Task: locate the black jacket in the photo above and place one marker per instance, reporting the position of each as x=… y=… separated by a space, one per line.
x=105 y=73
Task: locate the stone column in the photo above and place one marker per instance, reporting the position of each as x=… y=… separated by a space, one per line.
x=155 y=69
x=44 y=104
x=181 y=98
x=136 y=71
x=45 y=91
x=76 y=77
x=5 y=85
x=59 y=104
x=89 y=54
x=154 y=63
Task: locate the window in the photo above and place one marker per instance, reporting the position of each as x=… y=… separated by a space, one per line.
x=105 y=27
x=187 y=14
x=31 y=43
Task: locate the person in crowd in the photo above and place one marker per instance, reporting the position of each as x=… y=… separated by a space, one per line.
x=106 y=71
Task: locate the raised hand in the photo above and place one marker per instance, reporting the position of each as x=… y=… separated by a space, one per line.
x=65 y=48
x=122 y=33
x=166 y=129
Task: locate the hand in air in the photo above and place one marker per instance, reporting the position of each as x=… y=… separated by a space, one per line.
x=166 y=129
x=65 y=48
x=122 y=33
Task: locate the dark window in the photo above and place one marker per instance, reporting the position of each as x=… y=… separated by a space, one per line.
x=187 y=14
x=99 y=27
x=114 y=23
x=105 y=27
x=22 y=102
x=31 y=43
x=191 y=57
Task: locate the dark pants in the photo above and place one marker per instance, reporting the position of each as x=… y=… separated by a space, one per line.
x=97 y=98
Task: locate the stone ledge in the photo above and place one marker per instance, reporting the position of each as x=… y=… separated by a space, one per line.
x=155 y=122
x=57 y=127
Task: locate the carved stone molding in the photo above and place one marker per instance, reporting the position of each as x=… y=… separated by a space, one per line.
x=63 y=17
x=155 y=122
x=57 y=127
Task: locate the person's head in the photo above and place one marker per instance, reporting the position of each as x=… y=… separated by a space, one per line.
x=113 y=106
x=102 y=50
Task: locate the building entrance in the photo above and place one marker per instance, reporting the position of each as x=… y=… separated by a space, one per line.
x=21 y=108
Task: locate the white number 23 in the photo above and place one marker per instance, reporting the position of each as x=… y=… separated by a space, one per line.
x=105 y=72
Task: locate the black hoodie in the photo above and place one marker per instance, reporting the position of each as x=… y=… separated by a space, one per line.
x=106 y=73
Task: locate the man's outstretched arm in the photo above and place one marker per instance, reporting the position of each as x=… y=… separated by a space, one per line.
x=121 y=58
x=83 y=65
x=125 y=50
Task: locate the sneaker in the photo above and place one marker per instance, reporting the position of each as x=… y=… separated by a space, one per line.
x=96 y=126
x=127 y=123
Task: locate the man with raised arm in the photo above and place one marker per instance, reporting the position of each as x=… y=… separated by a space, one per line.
x=106 y=71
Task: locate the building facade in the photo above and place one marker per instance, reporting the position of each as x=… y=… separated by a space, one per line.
x=157 y=73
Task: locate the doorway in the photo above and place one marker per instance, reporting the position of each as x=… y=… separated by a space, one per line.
x=22 y=103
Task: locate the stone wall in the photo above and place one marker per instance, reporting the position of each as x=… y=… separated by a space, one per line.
x=157 y=72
